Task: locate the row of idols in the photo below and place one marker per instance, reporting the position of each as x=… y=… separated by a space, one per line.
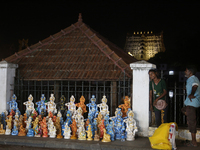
x=47 y=121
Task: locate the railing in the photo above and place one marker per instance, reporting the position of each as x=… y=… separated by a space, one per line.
x=115 y=91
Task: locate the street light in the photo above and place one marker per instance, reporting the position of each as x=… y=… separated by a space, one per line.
x=171 y=93
x=171 y=72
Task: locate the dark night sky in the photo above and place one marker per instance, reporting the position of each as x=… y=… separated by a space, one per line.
x=37 y=20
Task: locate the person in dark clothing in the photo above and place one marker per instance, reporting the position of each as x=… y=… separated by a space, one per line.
x=157 y=91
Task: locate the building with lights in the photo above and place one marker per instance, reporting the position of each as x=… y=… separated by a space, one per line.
x=144 y=45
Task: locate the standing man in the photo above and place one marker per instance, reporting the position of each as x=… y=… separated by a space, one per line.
x=192 y=102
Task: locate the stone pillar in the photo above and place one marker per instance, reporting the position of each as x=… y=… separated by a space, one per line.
x=7 y=74
x=140 y=95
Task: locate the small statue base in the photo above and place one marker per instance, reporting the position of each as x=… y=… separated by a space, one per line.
x=37 y=135
x=52 y=136
x=73 y=137
x=45 y=136
x=105 y=140
x=8 y=132
x=2 y=132
x=21 y=134
x=82 y=136
x=130 y=139
x=96 y=136
x=96 y=139
x=89 y=139
x=30 y=133
x=106 y=137
x=59 y=136
x=67 y=137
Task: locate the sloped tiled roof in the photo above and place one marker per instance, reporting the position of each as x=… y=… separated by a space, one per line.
x=75 y=53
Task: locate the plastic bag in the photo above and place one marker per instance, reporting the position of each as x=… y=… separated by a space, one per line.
x=159 y=140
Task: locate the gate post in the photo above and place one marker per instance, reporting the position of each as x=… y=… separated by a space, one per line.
x=140 y=95
x=7 y=75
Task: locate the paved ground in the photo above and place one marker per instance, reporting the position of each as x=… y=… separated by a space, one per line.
x=27 y=143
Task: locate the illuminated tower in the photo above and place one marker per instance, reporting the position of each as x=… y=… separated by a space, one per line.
x=144 y=45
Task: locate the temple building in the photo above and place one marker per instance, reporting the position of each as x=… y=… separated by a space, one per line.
x=144 y=45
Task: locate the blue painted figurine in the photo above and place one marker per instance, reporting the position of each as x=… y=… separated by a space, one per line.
x=13 y=104
x=109 y=129
x=93 y=111
x=14 y=130
x=69 y=118
x=119 y=127
x=41 y=105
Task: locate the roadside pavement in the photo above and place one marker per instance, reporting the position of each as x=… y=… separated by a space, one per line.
x=141 y=143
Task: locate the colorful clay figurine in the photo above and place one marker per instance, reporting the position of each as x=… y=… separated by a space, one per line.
x=13 y=104
x=67 y=131
x=16 y=120
x=82 y=105
x=2 y=131
x=24 y=120
x=93 y=111
x=58 y=128
x=103 y=107
x=106 y=120
x=124 y=107
x=94 y=125
x=35 y=123
x=78 y=116
x=61 y=118
x=50 y=115
x=110 y=131
x=22 y=131
x=101 y=128
x=122 y=136
x=49 y=123
x=9 y=122
x=44 y=132
x=43 y=123
x=14 y=130
x=17 y=111
x=61 y=104
x=99 y=118
x=28 y=123
x=3 y=119
x=52 y=131
x=87 y=123
x=8 y=131
x=118 y=123
x=106 y=137
x=29 y=105
x=51 y=105
x=20 y=121
x=71 y=105
x=130 y=126
x=74 y=129
x=34 y=114
x=96 y=136
x=12 y=113
x=81 y=131
x=89 y=133
x=42 y=106
x=69 y=118
x=30 y=132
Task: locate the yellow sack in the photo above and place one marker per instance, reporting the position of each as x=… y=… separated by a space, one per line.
x=159 y=140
